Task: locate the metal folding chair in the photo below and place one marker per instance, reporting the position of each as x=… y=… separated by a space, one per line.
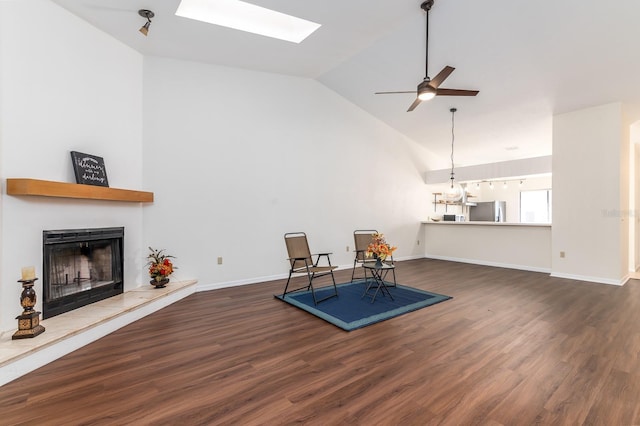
x=301 y=262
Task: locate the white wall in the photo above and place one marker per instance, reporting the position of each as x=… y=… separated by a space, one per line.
x=590 y=200
x=626 y=206
x=634 y=233
x=238 y=158
x=491 y=171
x=65 y=86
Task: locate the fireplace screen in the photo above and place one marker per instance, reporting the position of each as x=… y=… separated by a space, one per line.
x=81 y=267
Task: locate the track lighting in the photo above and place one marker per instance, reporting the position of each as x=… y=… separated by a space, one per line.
x=146 y=14
x=505 y=183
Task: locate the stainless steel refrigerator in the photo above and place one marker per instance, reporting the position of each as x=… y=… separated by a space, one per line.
x=488 y=211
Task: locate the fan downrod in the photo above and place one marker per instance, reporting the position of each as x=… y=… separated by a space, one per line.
x=426 y=5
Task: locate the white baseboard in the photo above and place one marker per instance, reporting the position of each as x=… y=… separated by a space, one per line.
x=401 y=259
x=574 y=277
x=284 y=276
x=486 y=263
x=237 y=283
x=598 y=280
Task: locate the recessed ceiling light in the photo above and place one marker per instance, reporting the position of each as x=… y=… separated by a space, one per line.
x=247 y=17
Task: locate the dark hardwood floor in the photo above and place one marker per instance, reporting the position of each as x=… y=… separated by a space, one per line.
x=511 y=348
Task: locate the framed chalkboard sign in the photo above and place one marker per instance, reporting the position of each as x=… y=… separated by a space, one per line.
x=89 y=169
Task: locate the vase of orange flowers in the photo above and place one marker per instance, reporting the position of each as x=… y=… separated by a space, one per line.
x=379 y=249
x=160 y=267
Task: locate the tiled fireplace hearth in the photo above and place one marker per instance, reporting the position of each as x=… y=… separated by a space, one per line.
x=81 y=266
x=72 y=330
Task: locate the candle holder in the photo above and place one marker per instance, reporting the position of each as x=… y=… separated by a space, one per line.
x=29 y=320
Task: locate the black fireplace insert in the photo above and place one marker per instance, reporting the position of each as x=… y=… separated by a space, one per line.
x=81 y=266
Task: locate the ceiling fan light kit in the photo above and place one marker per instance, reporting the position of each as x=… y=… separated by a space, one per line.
x=430 y=88
x=146 y=14
x=425 y=91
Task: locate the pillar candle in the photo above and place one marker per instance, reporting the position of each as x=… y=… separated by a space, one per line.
x=28 y=273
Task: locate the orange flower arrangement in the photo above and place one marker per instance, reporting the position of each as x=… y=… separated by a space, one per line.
x=160 y=267
x=378 y=248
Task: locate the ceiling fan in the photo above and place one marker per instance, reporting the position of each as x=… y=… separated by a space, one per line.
x=431 y=87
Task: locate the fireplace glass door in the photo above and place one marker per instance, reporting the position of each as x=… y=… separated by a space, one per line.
x=80 y=267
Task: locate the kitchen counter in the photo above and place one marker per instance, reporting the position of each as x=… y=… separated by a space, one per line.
x=431 y=222
x=525 y=246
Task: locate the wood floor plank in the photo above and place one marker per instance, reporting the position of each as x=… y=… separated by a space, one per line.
x=511 y=347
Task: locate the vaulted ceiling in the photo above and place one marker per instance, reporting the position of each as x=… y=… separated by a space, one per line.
x=529 y=59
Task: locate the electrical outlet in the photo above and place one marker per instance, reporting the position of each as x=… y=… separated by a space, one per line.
x=418 y=242
x=562 y=254
x=219 y=260
x=347 y=248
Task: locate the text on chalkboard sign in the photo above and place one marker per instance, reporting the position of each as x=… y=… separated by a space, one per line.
x=89 y=169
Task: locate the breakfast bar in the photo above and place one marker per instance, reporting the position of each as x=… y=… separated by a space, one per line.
x=525 y=246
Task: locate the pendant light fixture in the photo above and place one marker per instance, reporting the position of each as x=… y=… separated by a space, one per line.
x=454 y=190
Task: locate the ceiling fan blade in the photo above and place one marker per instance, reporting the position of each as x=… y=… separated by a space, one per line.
x=391 y=93
x=456 y=92
x=414 y=105
x=442 y=76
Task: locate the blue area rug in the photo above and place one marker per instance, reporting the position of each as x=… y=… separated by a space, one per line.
x=350 y=310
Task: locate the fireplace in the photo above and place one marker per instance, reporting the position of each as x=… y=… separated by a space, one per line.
x=81 y=266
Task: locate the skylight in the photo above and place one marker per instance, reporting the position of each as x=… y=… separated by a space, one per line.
x=247 y=17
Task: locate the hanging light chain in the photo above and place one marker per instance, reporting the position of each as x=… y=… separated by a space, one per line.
x=453 y=138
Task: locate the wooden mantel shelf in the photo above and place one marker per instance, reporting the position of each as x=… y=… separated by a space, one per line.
x=47 y=188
